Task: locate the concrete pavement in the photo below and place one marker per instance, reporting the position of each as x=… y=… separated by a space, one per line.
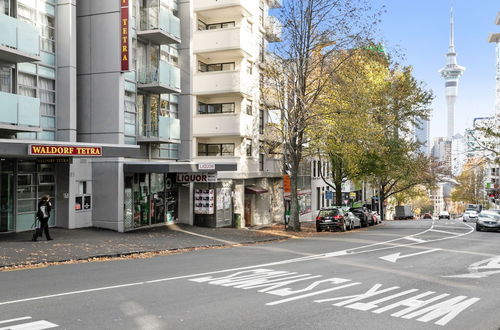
x=17 y=250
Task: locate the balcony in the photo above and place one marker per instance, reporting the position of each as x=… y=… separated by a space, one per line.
x=163 y=79
x=19 y=41
x=223 y=82
x=236 y=124
x=165 y=130
x=234 y=41
x=19 y=113
x=274 y=4
x=219 y=9
x=159 y=26
x=273 y=29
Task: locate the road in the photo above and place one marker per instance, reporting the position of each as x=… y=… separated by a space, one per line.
x=420 y=274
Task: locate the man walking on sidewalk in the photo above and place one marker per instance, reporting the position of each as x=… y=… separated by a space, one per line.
x=43 y=215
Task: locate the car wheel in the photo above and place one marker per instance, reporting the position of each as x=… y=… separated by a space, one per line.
x=478 y=228
x=364 y=224
x=352 y=225
x=318 y=229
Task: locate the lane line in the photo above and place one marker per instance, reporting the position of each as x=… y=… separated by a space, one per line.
x=18 y=319
x=444 y=232
x=419 y=240
x=283 y=262
x=37 y=325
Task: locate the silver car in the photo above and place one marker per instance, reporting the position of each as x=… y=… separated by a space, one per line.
x=488 y=220
x=470 y=216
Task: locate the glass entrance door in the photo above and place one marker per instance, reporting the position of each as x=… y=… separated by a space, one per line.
x=6 y=195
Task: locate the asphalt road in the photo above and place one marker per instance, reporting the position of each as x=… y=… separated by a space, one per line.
x=420 y=274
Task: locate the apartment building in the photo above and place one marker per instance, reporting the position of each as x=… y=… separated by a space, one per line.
x=128 y=112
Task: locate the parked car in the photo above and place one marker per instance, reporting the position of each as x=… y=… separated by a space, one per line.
x=444 y=215
x=427 y=216
x=470 y=216
x=333 y=218
x=354 y=221
x=495 y=210
x=364 y=215
x=488 y=220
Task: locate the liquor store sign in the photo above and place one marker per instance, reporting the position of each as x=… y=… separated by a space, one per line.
x=196 y=177
x=48 y=150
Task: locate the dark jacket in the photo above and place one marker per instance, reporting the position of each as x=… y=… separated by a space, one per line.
x=40 y=213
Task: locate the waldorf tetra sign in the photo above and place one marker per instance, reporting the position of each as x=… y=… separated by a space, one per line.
x=48 y=150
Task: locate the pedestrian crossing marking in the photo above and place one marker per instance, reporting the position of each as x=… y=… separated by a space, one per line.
x=33 y=325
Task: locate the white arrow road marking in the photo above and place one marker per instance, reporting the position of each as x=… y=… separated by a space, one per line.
x=490 y=264
x=396 y=256
x=418 y=240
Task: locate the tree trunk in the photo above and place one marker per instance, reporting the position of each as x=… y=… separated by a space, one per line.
x=382 y=200
x=338 y=193
x=294 y=224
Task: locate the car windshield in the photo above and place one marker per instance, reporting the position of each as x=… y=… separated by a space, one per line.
x=328 y=213
x=490 y=215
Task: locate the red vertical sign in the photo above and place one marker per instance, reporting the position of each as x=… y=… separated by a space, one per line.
x=124 y=32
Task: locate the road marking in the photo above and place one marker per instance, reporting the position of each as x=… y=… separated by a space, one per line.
x=283 y=262
x=14 y=320
x=36 y=325
x=418 y=240
x=444 y=232
x=396 y=256
x=434 y=308
x=492 y=265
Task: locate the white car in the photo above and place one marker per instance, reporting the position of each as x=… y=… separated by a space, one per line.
x=470 y=216
x=444 y=215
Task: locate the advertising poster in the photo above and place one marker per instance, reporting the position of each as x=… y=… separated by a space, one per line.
x=204 y=201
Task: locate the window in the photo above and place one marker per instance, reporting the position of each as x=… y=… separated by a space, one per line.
x=83 y=200
x=261 y=162
x=203 y=26
x=249 y=148
x=27 y=84
x=203 y=67
x=261 y=121
x=314 y=169
x=249 y=107
x=220 y=149
x=249 y=68
x=204 y=108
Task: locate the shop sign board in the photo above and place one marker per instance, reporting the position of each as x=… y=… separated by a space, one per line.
x=287 y=184
x=206 y=166
x=54 y=160
x=124 y=35
x=196 y=177
x=329 y=195
x=48 y=150
x=352 y=194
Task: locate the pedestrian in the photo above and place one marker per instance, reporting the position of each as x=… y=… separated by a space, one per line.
x=43 y=215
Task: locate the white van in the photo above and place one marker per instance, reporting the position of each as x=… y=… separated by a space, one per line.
x=444 y=215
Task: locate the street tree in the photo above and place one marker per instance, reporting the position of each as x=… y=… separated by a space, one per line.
x=470 y=187
x=299 y=72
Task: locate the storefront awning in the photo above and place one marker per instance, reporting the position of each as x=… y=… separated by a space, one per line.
x=20 y=148
x=177 y=167
x=253 y=189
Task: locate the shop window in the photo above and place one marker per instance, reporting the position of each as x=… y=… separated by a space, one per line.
x=83 y=200
x=46 y=178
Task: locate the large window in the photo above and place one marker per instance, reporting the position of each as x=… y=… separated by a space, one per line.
x=203 y=67
x=215 y=108
x=219 y=149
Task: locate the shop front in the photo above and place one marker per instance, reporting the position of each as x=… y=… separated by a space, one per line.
x=29 y=170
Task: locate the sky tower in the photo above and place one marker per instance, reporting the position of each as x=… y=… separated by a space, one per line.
x=451 y=74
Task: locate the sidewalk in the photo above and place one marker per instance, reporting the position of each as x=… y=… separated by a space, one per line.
x=17 y=250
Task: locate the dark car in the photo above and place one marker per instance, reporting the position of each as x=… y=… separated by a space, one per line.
x=364 y=215
x=427 y=216
x=333 y=218
x=488 y=220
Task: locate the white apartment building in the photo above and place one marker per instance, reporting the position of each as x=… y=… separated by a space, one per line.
x=134 y=113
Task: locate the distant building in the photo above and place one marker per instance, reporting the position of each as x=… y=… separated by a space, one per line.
x=421 y=134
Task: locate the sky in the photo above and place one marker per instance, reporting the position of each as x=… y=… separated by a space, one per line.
x=421 y=29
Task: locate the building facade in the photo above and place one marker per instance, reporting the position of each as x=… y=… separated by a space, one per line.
x=157 y=119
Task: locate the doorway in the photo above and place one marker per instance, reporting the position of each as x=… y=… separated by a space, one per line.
x=248 y=211
x=6 y=195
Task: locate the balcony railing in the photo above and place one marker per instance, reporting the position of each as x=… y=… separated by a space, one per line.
x=232 y=124
x=162 y=129
x=19 y=113
x=161 y=79
x=19 y=41
x=223 y=82
x=238 y=7
x=234 y=39
x=160 y=26
x=273 y=29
